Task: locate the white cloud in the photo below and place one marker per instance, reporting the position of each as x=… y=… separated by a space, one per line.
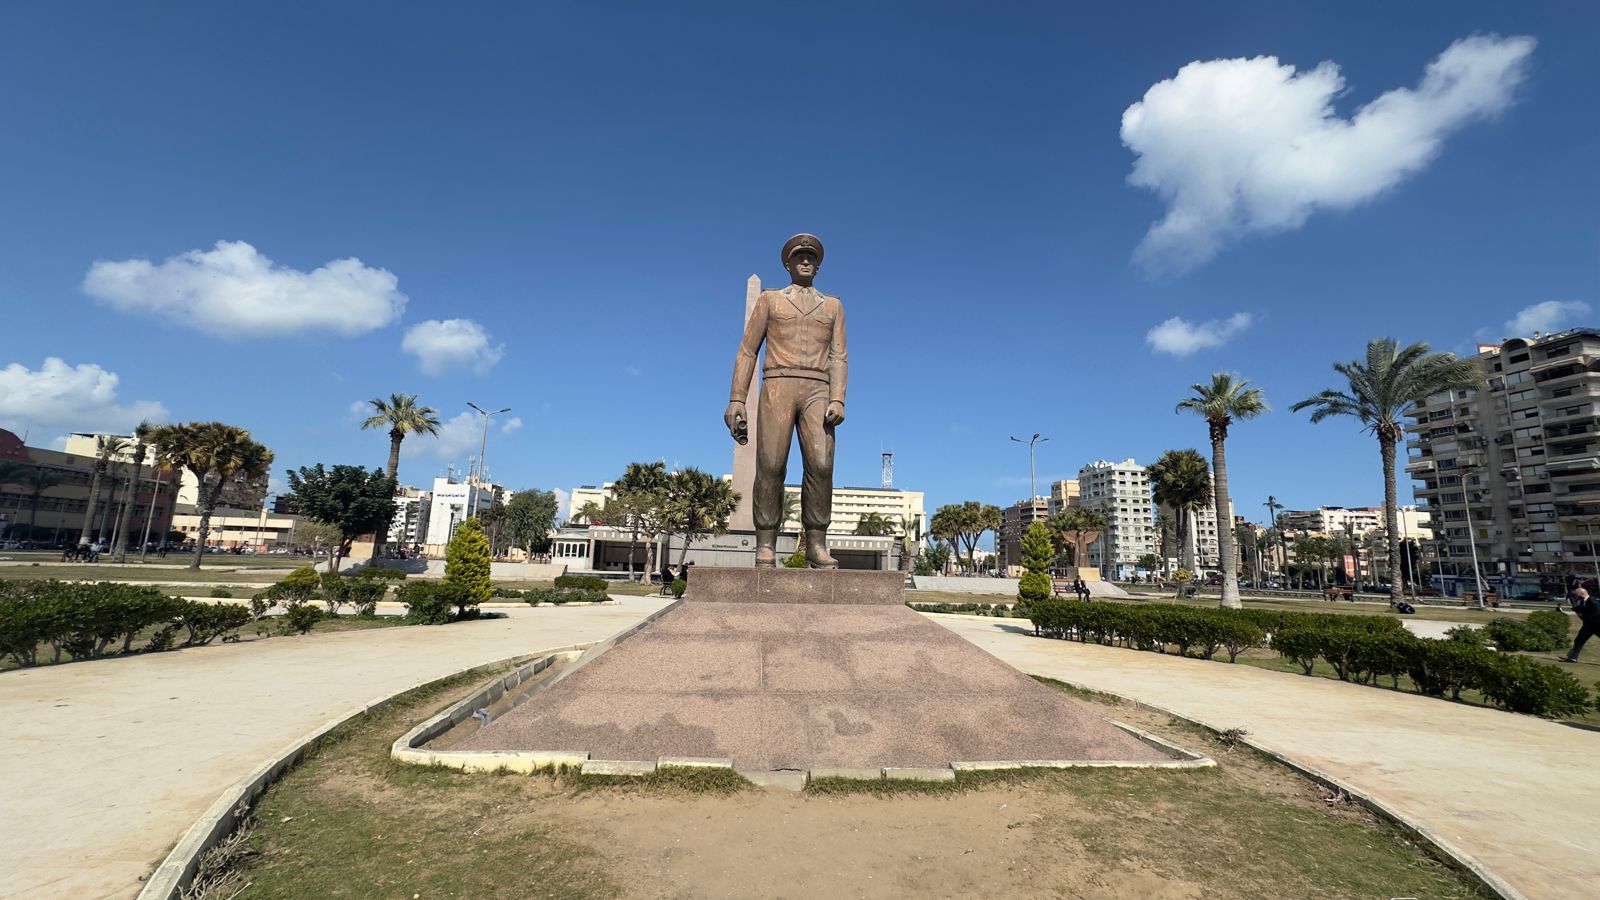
x=233 y=291
x=512 y=424
x=75 y=398
x=1551 y=315
x=1240 y=146
x=563 y=504
x=451 y=343
x=1180 y=337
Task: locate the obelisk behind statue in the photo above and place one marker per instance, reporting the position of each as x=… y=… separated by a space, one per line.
x=803 y=379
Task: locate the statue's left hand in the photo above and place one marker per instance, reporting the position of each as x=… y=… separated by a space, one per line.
x=834 y=415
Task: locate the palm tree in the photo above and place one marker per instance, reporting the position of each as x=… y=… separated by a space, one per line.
x=1221 y=402
x=402 y=416
x=106 y=447
x=1273 y=506
x=639 y=488
x=1380 y=390
x=12 y=473
x=698 y=502
x=141 y=445
x=215 y=453
x=874 y=525
x=1181 y=481
x=40 y=481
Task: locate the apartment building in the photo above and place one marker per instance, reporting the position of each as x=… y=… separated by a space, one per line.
x=1511 y=473
x=850 y=504
x=1120 y=490
x=1063 y=494
x=413 y=508
x=1203 y=539
x=1014 y=521
x=1334 y=520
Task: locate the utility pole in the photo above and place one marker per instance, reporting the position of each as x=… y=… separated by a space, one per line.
x=1033 y=481
x=1472 y=538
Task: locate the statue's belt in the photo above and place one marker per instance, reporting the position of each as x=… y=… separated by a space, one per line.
x=793 y=372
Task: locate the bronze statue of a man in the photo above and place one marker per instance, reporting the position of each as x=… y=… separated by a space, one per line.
x=802 y=389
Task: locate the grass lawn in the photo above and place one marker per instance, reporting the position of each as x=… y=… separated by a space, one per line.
x=349 y=822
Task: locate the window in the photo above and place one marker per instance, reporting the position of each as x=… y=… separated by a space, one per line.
x=1520 y=357
x=1554 y=352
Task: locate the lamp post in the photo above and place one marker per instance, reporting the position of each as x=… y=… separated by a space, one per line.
x=484 y=444
x=1472 y=539
x=1033 y=481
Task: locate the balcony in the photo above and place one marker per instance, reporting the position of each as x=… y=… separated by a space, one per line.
x=1421 y=467
x=1569 y=468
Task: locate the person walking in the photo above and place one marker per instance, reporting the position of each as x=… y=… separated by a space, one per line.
x=1588 y=610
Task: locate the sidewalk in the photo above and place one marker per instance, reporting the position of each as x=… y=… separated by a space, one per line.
x=1513 y=791
x=108 y=762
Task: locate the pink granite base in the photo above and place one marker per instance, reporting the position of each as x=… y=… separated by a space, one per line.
x=805 y=686
x=713 y=584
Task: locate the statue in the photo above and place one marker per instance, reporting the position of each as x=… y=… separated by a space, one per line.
x=802 y=389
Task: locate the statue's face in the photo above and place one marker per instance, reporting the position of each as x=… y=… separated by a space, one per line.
x=802 y=266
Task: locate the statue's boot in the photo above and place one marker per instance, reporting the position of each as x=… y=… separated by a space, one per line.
x=817 y=556
x=766 y=547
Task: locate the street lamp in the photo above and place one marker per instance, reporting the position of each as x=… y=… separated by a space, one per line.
x=484 y=444
x=1033 y=482
x=1472 y=538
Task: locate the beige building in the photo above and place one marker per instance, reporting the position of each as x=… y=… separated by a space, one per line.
x=1064 y=494
x=55 y=515
x=1120 y=490
x=1014 y=522
x=1338 y=520
x=850 y=504
x=1511 y=474
x=259 y=530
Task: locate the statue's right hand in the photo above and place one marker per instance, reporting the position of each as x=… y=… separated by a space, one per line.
x=738 y=423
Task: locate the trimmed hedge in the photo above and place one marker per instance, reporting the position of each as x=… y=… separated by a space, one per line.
x=1360 y=649
x=581 y=582
x=83 y=621
x=559 y=596
x=432 y=602
x=998 y=610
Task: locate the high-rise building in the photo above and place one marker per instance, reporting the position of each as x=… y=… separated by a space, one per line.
x=453 y=502
x=413 y=509
x=1512 y=473
x=1203 y=537
x=1120 y=490
x=1014 y=520
x=1337 y=520
x=1063 y=494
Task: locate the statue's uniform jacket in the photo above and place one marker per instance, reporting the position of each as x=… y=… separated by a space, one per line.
x=805 y=368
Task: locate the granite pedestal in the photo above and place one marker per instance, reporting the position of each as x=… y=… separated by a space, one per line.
x=805 y=669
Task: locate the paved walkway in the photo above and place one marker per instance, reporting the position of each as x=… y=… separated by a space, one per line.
x=108 y=763
x=1516 y=792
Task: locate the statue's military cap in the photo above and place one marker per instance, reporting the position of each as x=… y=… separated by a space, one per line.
x=801 y=242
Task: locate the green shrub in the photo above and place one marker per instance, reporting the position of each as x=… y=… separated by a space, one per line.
x=1519 y=684
x=558 y=596
x=583 y=582
x=364 y=594
x=1446 y=668
x=1466 y=634
x=432 y=602
x=301 y=618
x=506 y=593
x=795 y=560
x=1553 y=623
x=379 y=572
x=1033 y=586
x=678 y=587
x=467 y=565
x=1514 y=636
x=335 y=591
x=221 y=593
x=998 y=610
x=299 y=586
x=207 y=621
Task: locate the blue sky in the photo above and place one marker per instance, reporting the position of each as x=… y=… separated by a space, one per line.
x=555 y=208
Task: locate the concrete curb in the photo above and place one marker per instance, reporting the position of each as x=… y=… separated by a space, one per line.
x=222 y=817
x=1437 y=843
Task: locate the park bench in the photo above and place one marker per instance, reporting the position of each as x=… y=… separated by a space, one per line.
x=1335 y=592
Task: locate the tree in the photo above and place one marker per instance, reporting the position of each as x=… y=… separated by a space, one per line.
x=493 y=521
x=697 y=503
x=402 y=416
x=1220 y=403
x=106 y=448
x=640 y=487
x=318 y=536
x=1077 y=527
x=1149 y=562
x=963 y=525
x=529 y=518
x=1181 y=481
x=944 y=527
x=874 y=525
x=1038 y=551
x=141 y=446
x=1381 y=389
x=350 y=498
x=37 y=483
x=1273 y=508
x=466 y=565
x=214 y=453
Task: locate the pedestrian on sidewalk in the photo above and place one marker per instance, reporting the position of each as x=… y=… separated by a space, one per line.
x=1588 y=610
